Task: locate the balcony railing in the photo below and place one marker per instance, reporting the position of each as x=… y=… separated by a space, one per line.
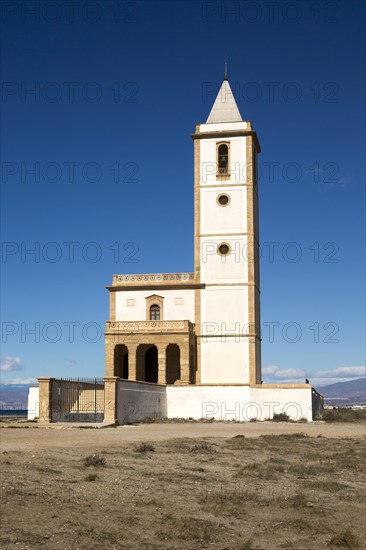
x=153 y=278
x=149 y=326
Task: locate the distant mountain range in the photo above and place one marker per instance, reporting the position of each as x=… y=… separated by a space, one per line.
x=345 y=394
x=15 y=396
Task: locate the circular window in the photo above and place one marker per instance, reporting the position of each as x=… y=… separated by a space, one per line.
x=223 y=249
x=223 y=200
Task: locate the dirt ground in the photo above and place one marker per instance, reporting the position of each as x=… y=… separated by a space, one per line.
x=224 y=486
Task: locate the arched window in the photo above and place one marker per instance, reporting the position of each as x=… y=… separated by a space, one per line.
x=223 y=159
x=154 y=313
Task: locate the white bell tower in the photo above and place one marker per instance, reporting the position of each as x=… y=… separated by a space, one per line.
x=226 y=246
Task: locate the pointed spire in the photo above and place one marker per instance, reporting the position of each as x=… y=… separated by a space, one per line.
x=225 y=73
x=225 y=108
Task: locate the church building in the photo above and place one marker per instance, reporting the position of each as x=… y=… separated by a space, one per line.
x=199 y=333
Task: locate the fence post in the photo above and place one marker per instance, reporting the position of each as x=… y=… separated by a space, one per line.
x=45 y=399
x=110 y=399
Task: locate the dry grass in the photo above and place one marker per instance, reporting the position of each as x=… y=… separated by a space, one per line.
x=94 y=460
x=242 y=493
x=144 y=448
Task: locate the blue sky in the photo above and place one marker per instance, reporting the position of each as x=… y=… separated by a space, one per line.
x=98 y=103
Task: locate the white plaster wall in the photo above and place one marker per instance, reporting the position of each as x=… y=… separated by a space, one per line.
x=237 y=160
x=33 y=402
x=224 y=219
x=224 y=309
x=139 y=400
x=224 y=360
x=239 y=403
x=172 y=312
x=296 y=402
x=232 y=268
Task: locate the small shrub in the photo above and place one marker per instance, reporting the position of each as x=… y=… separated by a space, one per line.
x=345 y=539
x=278 y=460
x=247 y=545
x=203 y=447
x=296 y=435
x=281 y=417
x=274 y=438
x=94 y=460
x=149 y=420
x=91 y=477
x=299 y=500
x=144 y=448
x=302 y=420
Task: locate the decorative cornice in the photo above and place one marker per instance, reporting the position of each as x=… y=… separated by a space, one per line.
x=154 y=281
x=117 y=327
x=161 y=278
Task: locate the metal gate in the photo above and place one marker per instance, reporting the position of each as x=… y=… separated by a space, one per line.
x=77 y=400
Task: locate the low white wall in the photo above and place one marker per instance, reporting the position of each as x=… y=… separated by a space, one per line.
x=219 y=402
x=240 y=403
x=139 y=400
x=296 y=402
x=33 y=402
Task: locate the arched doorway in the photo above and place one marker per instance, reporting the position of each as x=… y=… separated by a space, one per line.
x=121 y=361
x=172 y=363
x=151 y=365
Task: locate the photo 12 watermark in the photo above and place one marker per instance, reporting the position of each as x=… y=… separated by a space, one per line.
x=249 y=12
x=68 y=92
x=69 y=172
x=71 y=252
x=70 y=12
x=270 y=332
x=292 y=252
x=273 y=92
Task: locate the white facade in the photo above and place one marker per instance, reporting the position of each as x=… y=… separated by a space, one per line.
x=178 y=305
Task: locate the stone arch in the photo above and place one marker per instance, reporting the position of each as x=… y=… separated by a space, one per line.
x=172 y=363
x=120 y=367
x=147 y=363
x=151 y=364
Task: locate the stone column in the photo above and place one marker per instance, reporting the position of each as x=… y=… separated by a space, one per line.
x=110 y=399
x=184 y=363
x=45 y=399
x=140 y=362
x=132 y=348
x=161 y=364
x=109 y=355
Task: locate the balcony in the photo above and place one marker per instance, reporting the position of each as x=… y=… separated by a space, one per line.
x=148 y=327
